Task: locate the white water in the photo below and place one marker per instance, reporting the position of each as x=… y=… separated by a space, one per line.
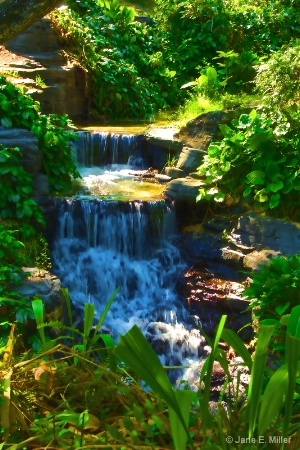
x=102 y=245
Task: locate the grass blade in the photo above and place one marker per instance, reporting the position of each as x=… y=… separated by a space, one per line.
x=38 y=311
x=184 y=399
x=273 y=398
x=257 y=374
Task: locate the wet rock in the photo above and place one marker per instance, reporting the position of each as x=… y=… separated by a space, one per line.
x=160 y=150
x=208 y=298
x=190 y=159
x=184 y=189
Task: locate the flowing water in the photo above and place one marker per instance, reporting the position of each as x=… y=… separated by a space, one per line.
x=110 y=237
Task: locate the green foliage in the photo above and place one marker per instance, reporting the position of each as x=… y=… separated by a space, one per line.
x=258 y=160
x=10 y=260
x=15 y=186
x=124 y=58
x=278 y=79
x=21 y=111
x=273 y=292
x=196 y=31
x=43 y=260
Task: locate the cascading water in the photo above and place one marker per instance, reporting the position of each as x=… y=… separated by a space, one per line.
x=105 y=244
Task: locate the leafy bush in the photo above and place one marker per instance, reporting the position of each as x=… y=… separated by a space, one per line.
x=195 y=31
x=278 y=80
x=18 y=109
x=258 y=160
x=273 y=292
x=15 y=186
x=124 y=58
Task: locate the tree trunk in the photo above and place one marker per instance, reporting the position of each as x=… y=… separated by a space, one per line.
x=17 y=15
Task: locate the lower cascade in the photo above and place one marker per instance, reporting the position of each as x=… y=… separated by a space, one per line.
x=104 y=245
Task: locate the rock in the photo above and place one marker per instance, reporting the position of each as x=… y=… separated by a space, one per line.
x=47 y=287
x=199 y=132
x=184 y=189
x=209 y=297
x=28 y=144
x=190 y=159
x=255 y=259
x=174 y=172
x=160 y=150
x=64 y=84
x=263 y=232
x=232 y=256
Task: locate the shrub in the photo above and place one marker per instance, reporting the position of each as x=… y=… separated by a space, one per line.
x=17 y=109
x=278 y=80
x=258 y=160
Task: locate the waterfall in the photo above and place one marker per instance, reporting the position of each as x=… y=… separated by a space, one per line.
x=103 y=148
x=103 y=244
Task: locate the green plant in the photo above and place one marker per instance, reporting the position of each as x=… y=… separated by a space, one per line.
x=39 y=82
x=53 y=132
x=43 y=260
x=258 y=160
x=274 y=292
x=15 y=186
x=277 y=80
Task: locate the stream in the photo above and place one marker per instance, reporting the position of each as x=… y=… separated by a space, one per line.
x=118 y=231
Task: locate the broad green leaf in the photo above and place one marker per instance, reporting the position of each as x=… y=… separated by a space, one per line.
x=292 y=359
x=294 y=323
x=203 y=79
x=274 y=200
x=273 y=398
x=214 y=150
x=6 y=122
x=212 y=75
x=257 y=374
x=38 y=311
x=274 y=187
x=219 y=198
x=134 y=349
x=261 y=196
x=232 y=339
x=184 y=399
x=253 y=114
x=255 y=176
x=280 y=309
x=258 y=139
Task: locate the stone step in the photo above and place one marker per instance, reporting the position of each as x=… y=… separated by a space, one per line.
x=39 y=38
x=49 y=76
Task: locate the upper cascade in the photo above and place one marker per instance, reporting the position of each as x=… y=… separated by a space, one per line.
x=100 y=148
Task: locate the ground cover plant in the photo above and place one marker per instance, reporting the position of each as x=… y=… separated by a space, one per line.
x=92 y=395
x=258 y=160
